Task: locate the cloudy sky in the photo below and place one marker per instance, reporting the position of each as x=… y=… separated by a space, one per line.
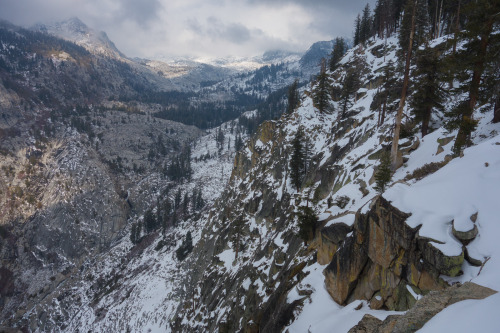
x=200 y=28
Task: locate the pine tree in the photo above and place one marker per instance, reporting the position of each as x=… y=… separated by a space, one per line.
x=185 y=204
x=366 y=24
x=135 y=233
x=428 y=93
x=350 y=85
x=388 y=91
x=396 y=10
x=237 y=229
x=383 y=24
x=238 y=143
x=482 y=15
x=416 y=23
x=293 y=96
x=177 y=199
x=383 y=175
x=322 y=91
x=399 y=115
x=307 y=223
x=339 y=49
x=150 y=222
x=185 y=248
x=297 y=160
x=357 y=30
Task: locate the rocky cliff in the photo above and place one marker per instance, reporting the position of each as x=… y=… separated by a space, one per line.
x=74 y=195
x=253 y=273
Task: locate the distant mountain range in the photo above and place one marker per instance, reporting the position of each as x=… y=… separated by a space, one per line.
x=187 y=73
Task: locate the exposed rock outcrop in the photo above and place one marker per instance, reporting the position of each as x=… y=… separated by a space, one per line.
x=385 y=261
x=423 y=311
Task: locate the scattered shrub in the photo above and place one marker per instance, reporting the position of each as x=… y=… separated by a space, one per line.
x=425 y=170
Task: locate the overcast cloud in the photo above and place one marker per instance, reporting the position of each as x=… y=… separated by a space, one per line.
x=209 y=28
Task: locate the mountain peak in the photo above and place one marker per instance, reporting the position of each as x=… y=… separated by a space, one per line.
x=75 y=30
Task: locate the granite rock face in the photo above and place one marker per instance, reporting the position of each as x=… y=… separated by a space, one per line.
x=383 y=258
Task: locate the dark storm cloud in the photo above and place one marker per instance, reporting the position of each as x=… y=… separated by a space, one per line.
x=143 y=12
x=215 y=29
x=28 y=12
x=198 y=27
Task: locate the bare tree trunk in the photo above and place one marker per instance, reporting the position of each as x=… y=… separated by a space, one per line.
x=436 y=20
x=439 y=19
x=456 y=29
x=399 y=115
x=379 y=111
x=464 y=133
x=496 y=111
x=425 y=121
x=382 y=119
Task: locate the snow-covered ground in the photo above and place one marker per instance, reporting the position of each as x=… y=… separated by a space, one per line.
x=467 y=185
x=148 y=285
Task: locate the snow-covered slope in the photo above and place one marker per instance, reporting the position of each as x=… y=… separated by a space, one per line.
x=345 y=153
x=249 y=271
x=138 y=287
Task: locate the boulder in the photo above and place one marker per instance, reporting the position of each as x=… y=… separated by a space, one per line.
x=465 y=237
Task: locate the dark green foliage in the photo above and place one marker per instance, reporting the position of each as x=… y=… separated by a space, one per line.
x=429 y=94
x=384 y=174
x=307 y=223
x=197 y=200
x=298 y=159
x=238 y=143
x=180 y=167
x=357 y=30
x=293 y=96
x=350 y=85
x=203 y=114
x=177 y=199
x=480 y=53
x=185 y=248
x=322 y=91
x=185 y=204
x=150 y=221
x=135 y=233
x=422 y=28
x=342 y=201
x=383 y=20
x=219 y=139
x=339 y=49
x=237 y=230
x=389 y=91
x=83 y=126
x=366 y=25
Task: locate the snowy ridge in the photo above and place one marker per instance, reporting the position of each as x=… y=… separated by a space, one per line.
x=358 y=141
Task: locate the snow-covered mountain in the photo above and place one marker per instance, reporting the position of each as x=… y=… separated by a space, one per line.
x=236 y=64
x=116 y=220
x=75 y=30
x=194 y=73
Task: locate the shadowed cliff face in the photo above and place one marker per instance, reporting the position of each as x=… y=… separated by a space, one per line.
x=383 y=258
x=65 y=195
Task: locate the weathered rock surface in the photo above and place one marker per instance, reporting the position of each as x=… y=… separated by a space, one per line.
x=423 y=311
x=329 y=240
x=383 y=258
x=66 y=198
